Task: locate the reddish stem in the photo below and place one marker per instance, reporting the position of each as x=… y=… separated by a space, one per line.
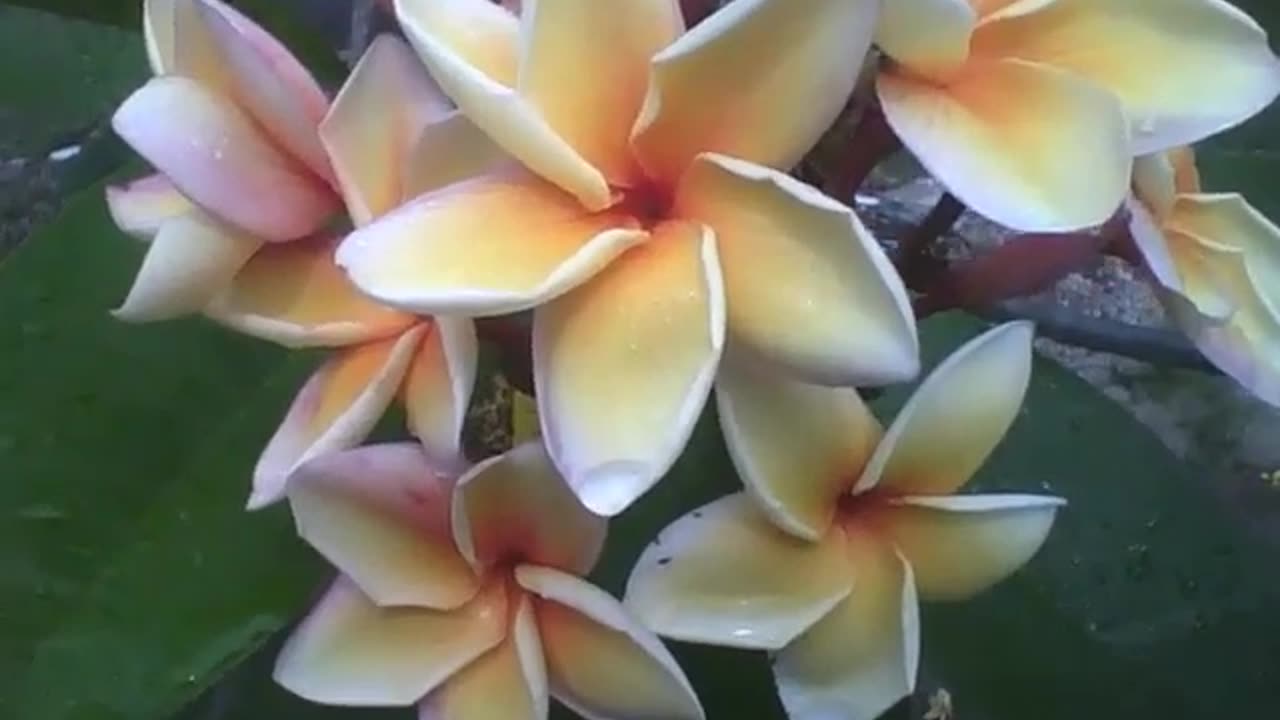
x=695 y=11
x=873 y=141
x=1024 y=265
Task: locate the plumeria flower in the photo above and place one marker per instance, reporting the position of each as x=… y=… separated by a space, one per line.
x=388 y=135
x=230 y=123
x=842 y=526
x=1031 y=110
x=648 y=216
x=467 y=599
x=1217 y=262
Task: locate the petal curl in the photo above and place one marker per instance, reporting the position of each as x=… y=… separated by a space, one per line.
x=507 y=683
x=956 y=417
x=140 y=207
x=929 y=36
x=613 y=421
x=1029 y=146
x=380 y=514
x=192 y=259
x=336 y=409
x=349 y=651
x=375 y=122
x=959 y=546
x=157 y=30
x=724 y=575
x=496 y=107
x=797 y=476
x=793 y=55
x=449 y=149
x=293 y=294
x=806 y=284
x=516 y=506
x=226 y=52
x=437 y=389
x=605 y=48
x=1184 y=69
x=479 y=32
x=217 y=157
x=487 y=246
x=861 y=658
x=601 y=662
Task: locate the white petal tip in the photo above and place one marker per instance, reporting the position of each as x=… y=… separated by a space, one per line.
x=610 y=488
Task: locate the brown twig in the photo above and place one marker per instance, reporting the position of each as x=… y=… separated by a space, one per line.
x=873 y=141
x=912 y=257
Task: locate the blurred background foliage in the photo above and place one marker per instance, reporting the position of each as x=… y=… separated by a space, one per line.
x=134 y=587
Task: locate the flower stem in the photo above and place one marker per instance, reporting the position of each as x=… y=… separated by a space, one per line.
x=873 y=141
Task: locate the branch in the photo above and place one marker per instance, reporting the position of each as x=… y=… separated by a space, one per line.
x=1158 y=346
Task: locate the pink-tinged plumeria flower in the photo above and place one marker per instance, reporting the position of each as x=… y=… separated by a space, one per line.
x=1217 y=262
x=842 y=526
x=390 y=135
x=1030 y=111
x=467 y=599
x=649 y=216
x=231 y=123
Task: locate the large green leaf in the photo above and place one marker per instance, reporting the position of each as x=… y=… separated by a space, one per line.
x=131 y=575
x=302 y=26
x=1147 y=601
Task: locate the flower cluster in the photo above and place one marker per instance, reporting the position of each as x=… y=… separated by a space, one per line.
x=624 y=178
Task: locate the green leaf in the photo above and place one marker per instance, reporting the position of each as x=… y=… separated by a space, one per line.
x=132 y=577
x=1147 y=601
x=84 y=71
x=298 y=27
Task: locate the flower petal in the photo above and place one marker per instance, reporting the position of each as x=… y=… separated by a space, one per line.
x=791 y=55
x=375 y=121
x=1031 y=147
x=191 y=260
x=349 y=651
x=293 y=294
x=601 y=662
x=1244 y=348
x=595 y=111
x=494 y=106
x=796 y=476
x=959 y=546
x=479 y=32
x=507 y=683
x=1184 y=69
x=488 y=246
x=928 y=36
x=380 y=514
x=143 y=205
x=336 y=409
x=212 y=46
x=218 y=158
x=448 y=150
x=157 y=29
x=861 y=658
x=806 y=285
x=956 y=417
x=1188 y=266
x=437 y=388
x=614 y=422
x=516 y=505
x=724 y=575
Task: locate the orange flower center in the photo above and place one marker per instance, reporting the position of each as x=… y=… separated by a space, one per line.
x=648 y=202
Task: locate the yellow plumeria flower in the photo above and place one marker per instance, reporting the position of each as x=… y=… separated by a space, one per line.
x=1217 y=261
x=647 y=215
x=467 y=599
x=384 y=135
x=230 y=123
x=842 y=526
x=1031 y=110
